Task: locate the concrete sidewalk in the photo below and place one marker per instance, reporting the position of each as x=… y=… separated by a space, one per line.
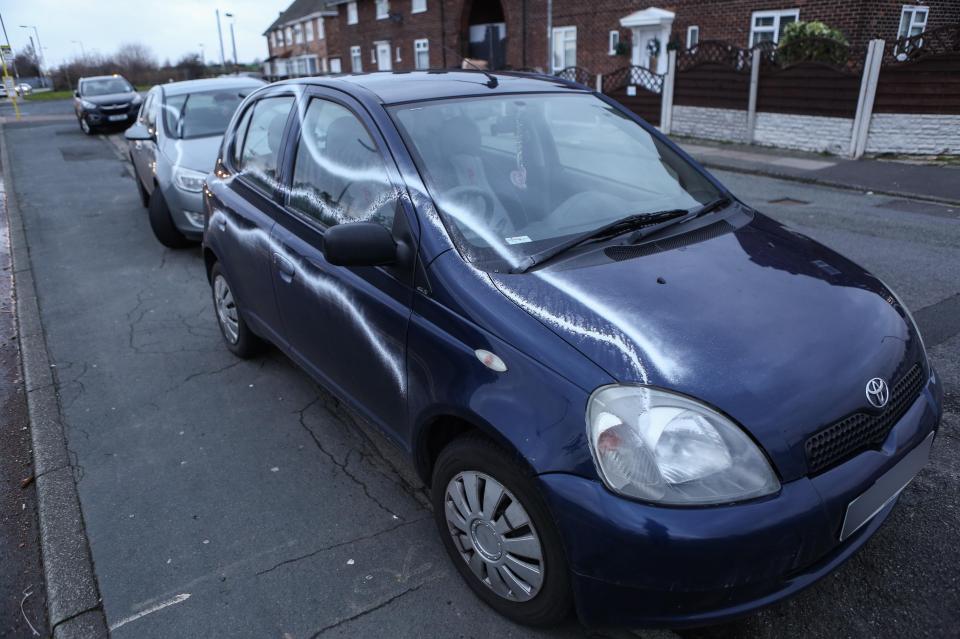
x=938 y=183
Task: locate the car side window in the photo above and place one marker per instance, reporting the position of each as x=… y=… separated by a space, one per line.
x=239 y=135
x=261 y=144
x=339 y=173
x=150 y=108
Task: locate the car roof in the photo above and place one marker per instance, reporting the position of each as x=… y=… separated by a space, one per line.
x=391 y=87
x=209 y=84
x=103 y=77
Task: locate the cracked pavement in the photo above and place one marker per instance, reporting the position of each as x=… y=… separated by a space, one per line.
x=245 y=486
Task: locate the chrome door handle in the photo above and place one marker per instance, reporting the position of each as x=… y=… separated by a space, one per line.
x=285 y=267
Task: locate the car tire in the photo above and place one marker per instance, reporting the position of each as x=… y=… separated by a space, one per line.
x=238 y=337
x=162 y=224
x=499 y=545
x=85 y=126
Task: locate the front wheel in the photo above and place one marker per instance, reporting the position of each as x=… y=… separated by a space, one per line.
x=499 y=534
x=239 y=338
x=162 y=224
x=85 y=126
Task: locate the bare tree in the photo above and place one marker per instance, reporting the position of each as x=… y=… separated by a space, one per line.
x=27 y=62
x=136 y=62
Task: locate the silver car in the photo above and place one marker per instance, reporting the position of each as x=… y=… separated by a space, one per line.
x=174 y=144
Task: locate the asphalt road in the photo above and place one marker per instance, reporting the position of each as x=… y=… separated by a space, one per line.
x=229 y=498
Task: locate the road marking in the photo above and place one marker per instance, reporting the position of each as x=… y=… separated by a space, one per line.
x=152 y=609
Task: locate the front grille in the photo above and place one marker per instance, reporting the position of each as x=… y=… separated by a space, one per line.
x=853 y=434
x=629 y=252
x=114 y=108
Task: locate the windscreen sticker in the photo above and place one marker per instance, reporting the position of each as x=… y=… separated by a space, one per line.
x=519 y=239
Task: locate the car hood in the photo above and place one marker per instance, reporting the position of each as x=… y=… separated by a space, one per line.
x=198 y=154
x=763 y=323
x=110 y=98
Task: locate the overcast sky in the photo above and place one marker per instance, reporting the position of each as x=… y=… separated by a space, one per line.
x=170 y=28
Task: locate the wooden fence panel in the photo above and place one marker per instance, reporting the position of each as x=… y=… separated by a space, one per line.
x=645 y=103
x=927 y=85
x=713 y=85
x=808 y=88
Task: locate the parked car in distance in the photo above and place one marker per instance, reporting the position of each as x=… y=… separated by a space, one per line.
x=105 y=100
x=627 y=389
x=173 y=145
x=24 y=89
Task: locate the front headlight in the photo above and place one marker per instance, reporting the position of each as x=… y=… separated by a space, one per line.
x=188 y=180
x=665 y=448
x=86 y=104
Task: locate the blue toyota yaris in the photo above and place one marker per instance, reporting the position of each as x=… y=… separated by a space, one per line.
x=628 y=391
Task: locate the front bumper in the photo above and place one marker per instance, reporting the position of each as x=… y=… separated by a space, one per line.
x=643 y=565
x=179 y=201
x=101 y=118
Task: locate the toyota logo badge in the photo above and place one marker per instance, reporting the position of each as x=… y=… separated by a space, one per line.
x=878 y=393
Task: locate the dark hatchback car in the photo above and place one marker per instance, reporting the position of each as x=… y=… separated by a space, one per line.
x=627 y=389
x=105 y=100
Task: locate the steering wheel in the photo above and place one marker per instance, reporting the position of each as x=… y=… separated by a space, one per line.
x=488 y=204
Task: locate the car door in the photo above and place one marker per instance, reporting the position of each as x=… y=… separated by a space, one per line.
x=243 y=207
x=143 y=152
x=346 y=326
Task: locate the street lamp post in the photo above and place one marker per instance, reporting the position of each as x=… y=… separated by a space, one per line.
x=38 y=51
x=223 y=59
x=203 y=60
x=233 y=41
x=83 y=51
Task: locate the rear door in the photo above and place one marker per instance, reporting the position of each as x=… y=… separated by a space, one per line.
x=346 y=326
x=244 y=204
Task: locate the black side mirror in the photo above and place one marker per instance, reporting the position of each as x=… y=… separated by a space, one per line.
x=359 y=244
x=76 y=93
x=138 y=132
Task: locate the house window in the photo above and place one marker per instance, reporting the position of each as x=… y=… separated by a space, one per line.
x=564 y=48
x=308 y=26
x=383 y=9
x=298 y=34
x=356 y=63
x=418 y=6
x=913 y=21
x=421 y=53
x=289 y=32
x=280 y=41
x=334 y=65
x=273 y=40
x=693 y=36
x=321 y=30
x=613 y=39
x=352 y=13
x=768 y=26
x=397 y=53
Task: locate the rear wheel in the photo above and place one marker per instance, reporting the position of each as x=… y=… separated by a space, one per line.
x=239 y=338
x=162 y=224
x=499 y=533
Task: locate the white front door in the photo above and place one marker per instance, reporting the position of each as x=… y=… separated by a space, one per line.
x=650 y=48
x=383 y=56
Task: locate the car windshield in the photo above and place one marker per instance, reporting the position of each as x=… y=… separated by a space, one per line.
x=198 y=115
x=105 y=86
x=513 y=175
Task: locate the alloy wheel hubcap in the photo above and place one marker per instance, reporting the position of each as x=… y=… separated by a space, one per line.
x=226 y=309
x=495 y=536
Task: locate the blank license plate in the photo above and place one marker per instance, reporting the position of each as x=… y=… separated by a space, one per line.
x=884 y=490
x=116 y=118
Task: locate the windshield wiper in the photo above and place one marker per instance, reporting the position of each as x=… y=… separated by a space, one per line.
x=617 y=227
x=692 y=214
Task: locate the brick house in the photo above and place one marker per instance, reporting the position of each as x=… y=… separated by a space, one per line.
x=599 y=36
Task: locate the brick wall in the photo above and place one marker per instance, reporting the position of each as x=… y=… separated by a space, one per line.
x=526 y=47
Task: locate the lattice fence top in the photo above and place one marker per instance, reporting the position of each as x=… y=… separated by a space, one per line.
x=937 y=41
x=633 y=75
x=820 y=50
x=575 y=74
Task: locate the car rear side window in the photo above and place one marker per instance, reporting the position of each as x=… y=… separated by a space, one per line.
x=262 y=139
x=339 y=175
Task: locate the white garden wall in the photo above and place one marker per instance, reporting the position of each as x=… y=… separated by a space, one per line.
x=914 y=133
